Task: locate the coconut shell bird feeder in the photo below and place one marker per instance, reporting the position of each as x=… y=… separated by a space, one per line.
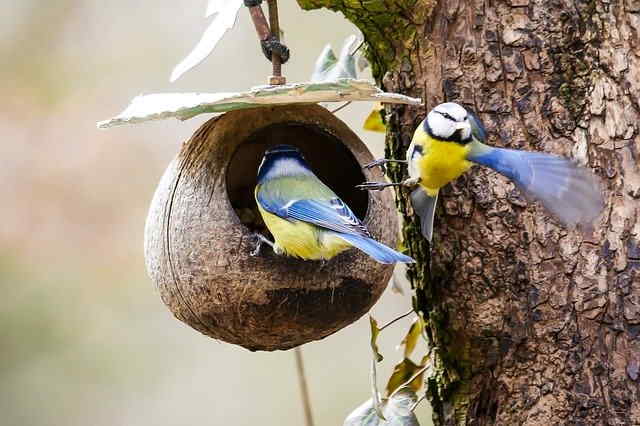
x=201 y=222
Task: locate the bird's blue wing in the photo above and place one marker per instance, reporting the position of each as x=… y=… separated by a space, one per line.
x=332 y=214
x=570 y=192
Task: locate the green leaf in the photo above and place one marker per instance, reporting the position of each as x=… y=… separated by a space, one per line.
x=396 y=410
x=411 y=339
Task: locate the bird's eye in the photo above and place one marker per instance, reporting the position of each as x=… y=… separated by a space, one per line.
x=446 y=115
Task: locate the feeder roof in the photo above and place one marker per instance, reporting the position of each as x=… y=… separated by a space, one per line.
x=184 y=106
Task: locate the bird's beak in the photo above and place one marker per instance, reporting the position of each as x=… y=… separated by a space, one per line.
x=464 y=125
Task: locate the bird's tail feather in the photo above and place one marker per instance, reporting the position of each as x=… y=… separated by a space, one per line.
x=570 y=192
x=376 y=250
x=425 y=206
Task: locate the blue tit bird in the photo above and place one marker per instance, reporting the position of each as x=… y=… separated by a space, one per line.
x=305 y=217
x=451 y=140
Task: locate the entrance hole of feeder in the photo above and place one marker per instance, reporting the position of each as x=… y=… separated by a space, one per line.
x=328 y=157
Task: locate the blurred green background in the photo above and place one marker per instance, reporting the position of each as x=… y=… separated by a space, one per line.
x=85 y=337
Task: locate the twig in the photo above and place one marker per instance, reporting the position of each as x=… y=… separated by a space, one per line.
x=304 y=390
x=396 y=319
x=358 y=48
x=408 y=382
x=375 y=395
x=415 y=404
x=344 y=105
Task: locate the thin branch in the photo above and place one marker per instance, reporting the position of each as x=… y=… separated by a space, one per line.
x=396 y=319
x=358 y=48
x=415 y=404
x=344 y=105
x=304 y=389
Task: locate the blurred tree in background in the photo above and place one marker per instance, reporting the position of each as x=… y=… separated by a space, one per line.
x=85 y=338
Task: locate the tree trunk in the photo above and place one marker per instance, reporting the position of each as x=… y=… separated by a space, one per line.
x=531 y=323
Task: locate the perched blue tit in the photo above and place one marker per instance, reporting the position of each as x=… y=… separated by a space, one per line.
x=305 y=217
x=451 y=139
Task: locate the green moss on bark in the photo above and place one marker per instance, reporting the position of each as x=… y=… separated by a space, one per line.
x=390 y=30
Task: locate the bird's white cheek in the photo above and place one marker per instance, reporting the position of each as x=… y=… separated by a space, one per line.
x=441 y=127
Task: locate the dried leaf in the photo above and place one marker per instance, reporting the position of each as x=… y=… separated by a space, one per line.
x=411 y=339
x=377 y=357
x=374 y=121
x=226 y=14
x=188 y=105
x=375 y=331
x=402 y=373
x=396 y=410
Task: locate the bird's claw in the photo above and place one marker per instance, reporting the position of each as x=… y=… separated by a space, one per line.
x=376 y=163
x=271 y=46
x=258 y=245
x=374 y=186
x=260 y=240
x=381 y=163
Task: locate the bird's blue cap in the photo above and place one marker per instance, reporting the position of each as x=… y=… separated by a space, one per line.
x=290 y=162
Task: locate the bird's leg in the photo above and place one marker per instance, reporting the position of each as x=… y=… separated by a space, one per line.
x=261 y=239
x=378 y=186
x=381 y=162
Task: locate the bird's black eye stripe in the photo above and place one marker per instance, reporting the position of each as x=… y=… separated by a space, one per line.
x=446 y=115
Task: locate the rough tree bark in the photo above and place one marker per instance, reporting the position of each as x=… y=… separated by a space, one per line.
x=533 y=324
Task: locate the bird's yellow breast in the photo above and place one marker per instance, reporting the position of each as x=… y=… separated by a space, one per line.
x=441 y=163
x=301 y=239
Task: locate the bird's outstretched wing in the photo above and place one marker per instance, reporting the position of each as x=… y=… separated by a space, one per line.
x=570 y=192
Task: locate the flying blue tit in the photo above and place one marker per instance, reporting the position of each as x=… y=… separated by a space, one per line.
x=451 y=139
x=305 y=217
